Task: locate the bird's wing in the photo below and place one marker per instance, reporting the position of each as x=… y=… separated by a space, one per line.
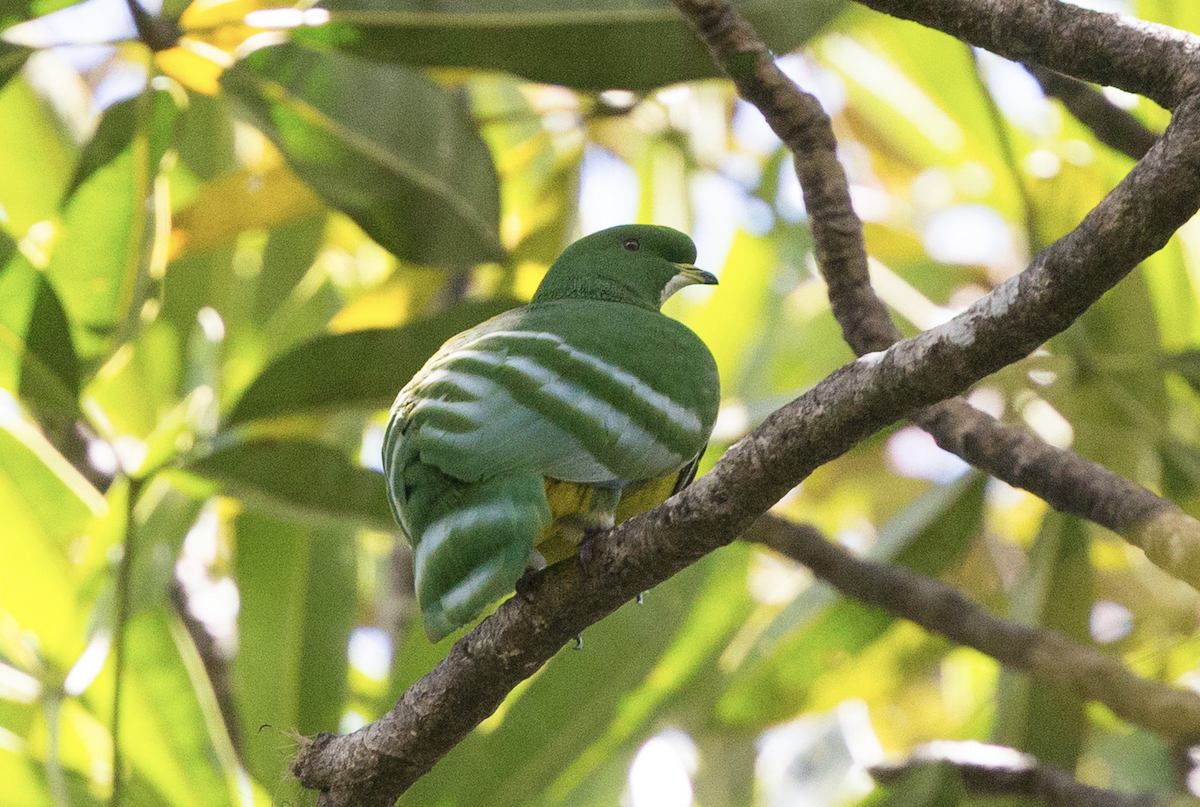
x=507 y=397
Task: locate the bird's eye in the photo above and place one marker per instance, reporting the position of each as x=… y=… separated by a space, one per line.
x=632 y=244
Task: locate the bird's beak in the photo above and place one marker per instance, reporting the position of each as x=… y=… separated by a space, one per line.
x=695 y=275
x=688 y=276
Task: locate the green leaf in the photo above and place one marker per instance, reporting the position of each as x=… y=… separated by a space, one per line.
x=933 y=784
x=18 y=288
x=1187 y=364
x=116 y=131
x=36 y=155
x=23 y=783
x=310 y=481
x=819 y=627
x=49 y=367
x=397 y=153
x=97 y=266
x=163 y=516
x=630 y=44
x=298 y=597
x=290 y=251
x=361 y=369
x=1055 y=591
x=12 y=59
x=46 y=505
x=170 y=731
x=685 y=670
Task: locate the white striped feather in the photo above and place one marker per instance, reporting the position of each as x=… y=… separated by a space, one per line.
x=506 y=429
x=681 y=416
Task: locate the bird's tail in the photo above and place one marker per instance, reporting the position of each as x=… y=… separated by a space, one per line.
x=472 y=542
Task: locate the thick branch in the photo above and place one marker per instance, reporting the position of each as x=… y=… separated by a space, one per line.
x=935 y=606
x=1068 y=482
x=1108 y=49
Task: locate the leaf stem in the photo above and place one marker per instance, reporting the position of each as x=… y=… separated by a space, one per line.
x=124 y=580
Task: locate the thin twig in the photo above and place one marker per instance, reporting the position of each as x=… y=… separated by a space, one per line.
x=120 y=622
x=1112 y=126
x=1020 y=775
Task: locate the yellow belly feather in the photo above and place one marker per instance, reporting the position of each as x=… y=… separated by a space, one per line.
x=570 y=505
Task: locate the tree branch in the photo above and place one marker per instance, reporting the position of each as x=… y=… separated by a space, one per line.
x=940 y=608
x=1112 y=126
x=1069 y=483
x=1022 y=776
x=375 y=764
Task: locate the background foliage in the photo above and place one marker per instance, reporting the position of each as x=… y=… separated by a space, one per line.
x=213 y=281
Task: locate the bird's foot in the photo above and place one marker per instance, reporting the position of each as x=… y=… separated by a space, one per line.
x=586 y=543
x=576 y=526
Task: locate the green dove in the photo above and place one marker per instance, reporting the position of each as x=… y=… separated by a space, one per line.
x=579 y=410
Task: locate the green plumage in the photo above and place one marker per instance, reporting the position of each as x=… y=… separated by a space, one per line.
x=588 y=394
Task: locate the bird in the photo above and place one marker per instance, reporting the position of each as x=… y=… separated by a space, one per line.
x=572 y=413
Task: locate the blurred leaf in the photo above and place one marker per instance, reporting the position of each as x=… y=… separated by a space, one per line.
x=330 y=605
x=1139 y=759
x=1187 y=364
x=194 y=71
x=165 y=731
x=12 y=59
x=163 y=517
x=204 y=136
x=36 y=158
x=49 y=366
x=137 y=387
x=97 y=265
x=19 y=283
x=819 y=626
x=297 y=592
x=1180 y=470
x=118 y=125
x=1044 y=718
x=290 y=251
x=46 y=505
x=361 y=369
x=1115 y=399
x=633 y=45
x=397 y=153
x=304 y=480
x=933 y=784
x=238 y=201
x=23 y=784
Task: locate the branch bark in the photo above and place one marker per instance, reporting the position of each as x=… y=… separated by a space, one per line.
x=375 y=764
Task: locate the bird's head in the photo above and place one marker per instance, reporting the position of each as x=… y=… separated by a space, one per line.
x=640 y=264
